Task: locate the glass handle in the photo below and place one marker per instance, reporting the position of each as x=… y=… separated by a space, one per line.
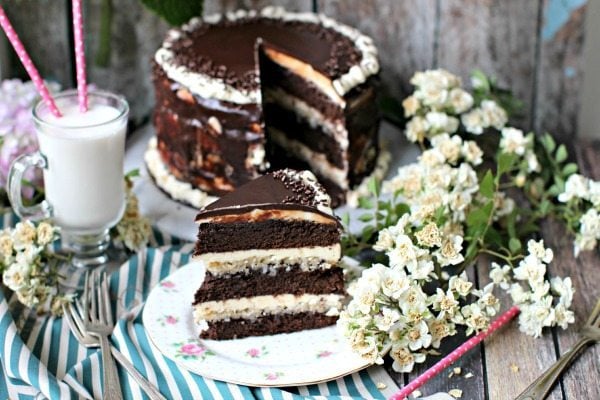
x=21 y=164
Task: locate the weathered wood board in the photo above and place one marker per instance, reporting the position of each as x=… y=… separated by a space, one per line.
x=495 y=36
x=404 y=32
x=43 y=27
x=560 y=69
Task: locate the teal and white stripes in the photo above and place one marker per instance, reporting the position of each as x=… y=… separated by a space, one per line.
x=40 y=354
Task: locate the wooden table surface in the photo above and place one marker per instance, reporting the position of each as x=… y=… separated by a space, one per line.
x=509 y=361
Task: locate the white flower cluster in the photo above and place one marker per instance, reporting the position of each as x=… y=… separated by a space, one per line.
x=443 y=177
x=439 y=105
x=437 y=99
x=22 y=260
x=134 y=229
x=488 y=115
x=390 y=311
x=513 y=141
x=584 y=193
x=542 y=303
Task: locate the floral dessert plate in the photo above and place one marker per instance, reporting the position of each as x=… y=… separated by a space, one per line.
x=289 y=359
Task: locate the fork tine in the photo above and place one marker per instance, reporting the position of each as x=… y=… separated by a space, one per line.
x=86 y=296
x=93 y=297
x=594 y=319
x=101 y=299
x=76 y=315
x=75 y=329
x=106 y=298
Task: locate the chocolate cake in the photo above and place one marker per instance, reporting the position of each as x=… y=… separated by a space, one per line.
x=271 y=250
x=240 y=93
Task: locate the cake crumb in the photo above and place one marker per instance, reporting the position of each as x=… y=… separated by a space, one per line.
x=514 y=368
x=456 y=393
x=416 y=394
x=457 y=371
x=381 y=385
x=468 y=375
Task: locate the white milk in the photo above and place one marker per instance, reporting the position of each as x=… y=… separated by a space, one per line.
x=84 y=176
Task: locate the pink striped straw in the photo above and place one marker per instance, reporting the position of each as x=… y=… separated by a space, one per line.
x=80 y=57
x=455 y=355
x=27 y=63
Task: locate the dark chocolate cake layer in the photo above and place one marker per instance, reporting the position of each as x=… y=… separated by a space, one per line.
x=282 y=280
x=270 y=234
x=266 y=325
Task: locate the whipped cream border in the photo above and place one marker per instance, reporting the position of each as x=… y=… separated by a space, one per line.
x=183 y=191
x=210 y=87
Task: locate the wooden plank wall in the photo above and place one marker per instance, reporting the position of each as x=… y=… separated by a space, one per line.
x=533 y=47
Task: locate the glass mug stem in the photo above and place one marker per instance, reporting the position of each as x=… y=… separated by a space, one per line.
x=18 y=168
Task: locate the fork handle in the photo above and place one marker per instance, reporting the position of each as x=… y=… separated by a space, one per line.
x=540 y=388
x=112 y=386
x=146 y=386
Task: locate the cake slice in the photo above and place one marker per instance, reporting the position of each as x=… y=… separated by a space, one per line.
x=271 y=250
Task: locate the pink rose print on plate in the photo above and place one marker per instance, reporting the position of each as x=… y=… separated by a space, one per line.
x=257 y=353
x=192 y=350
x=168 y=286
x=324 y=353
x=272 y=376
x=168 y=320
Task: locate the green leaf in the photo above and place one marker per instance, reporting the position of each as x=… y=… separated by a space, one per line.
x=481 y=81
x=569 y=169
x=514 y=245
x=505 y=163
x=373 y=186
x=479 y=217
x=365 y=202
x=366 y=217
x=545 y=206
x=401 y=209
x=133 y=173
x=487 y=186
x=346 y=219
x=561 y=153
x=548 y=142
x=175 y=12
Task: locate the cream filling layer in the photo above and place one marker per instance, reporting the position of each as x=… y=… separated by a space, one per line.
x=318 y=161
x=178 y=190
x=308 y=258
x=254 y=307
x=211 y=87
x=259 y=214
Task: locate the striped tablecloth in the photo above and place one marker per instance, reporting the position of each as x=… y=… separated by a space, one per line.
x=40 y=357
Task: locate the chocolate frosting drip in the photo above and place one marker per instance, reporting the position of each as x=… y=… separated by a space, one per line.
x=277 y=190
x=226 y=50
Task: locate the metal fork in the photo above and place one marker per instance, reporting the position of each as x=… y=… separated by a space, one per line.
x=590 y=333
x=72 y=314
x=97 y=320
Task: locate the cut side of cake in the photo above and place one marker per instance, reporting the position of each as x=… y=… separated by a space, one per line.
x=271 y=251
x=247 y=92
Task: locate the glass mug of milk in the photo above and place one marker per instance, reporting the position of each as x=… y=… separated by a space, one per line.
x=81 y=155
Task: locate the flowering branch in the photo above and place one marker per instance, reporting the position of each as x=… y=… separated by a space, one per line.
x=438 y=215
x=30 y=268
